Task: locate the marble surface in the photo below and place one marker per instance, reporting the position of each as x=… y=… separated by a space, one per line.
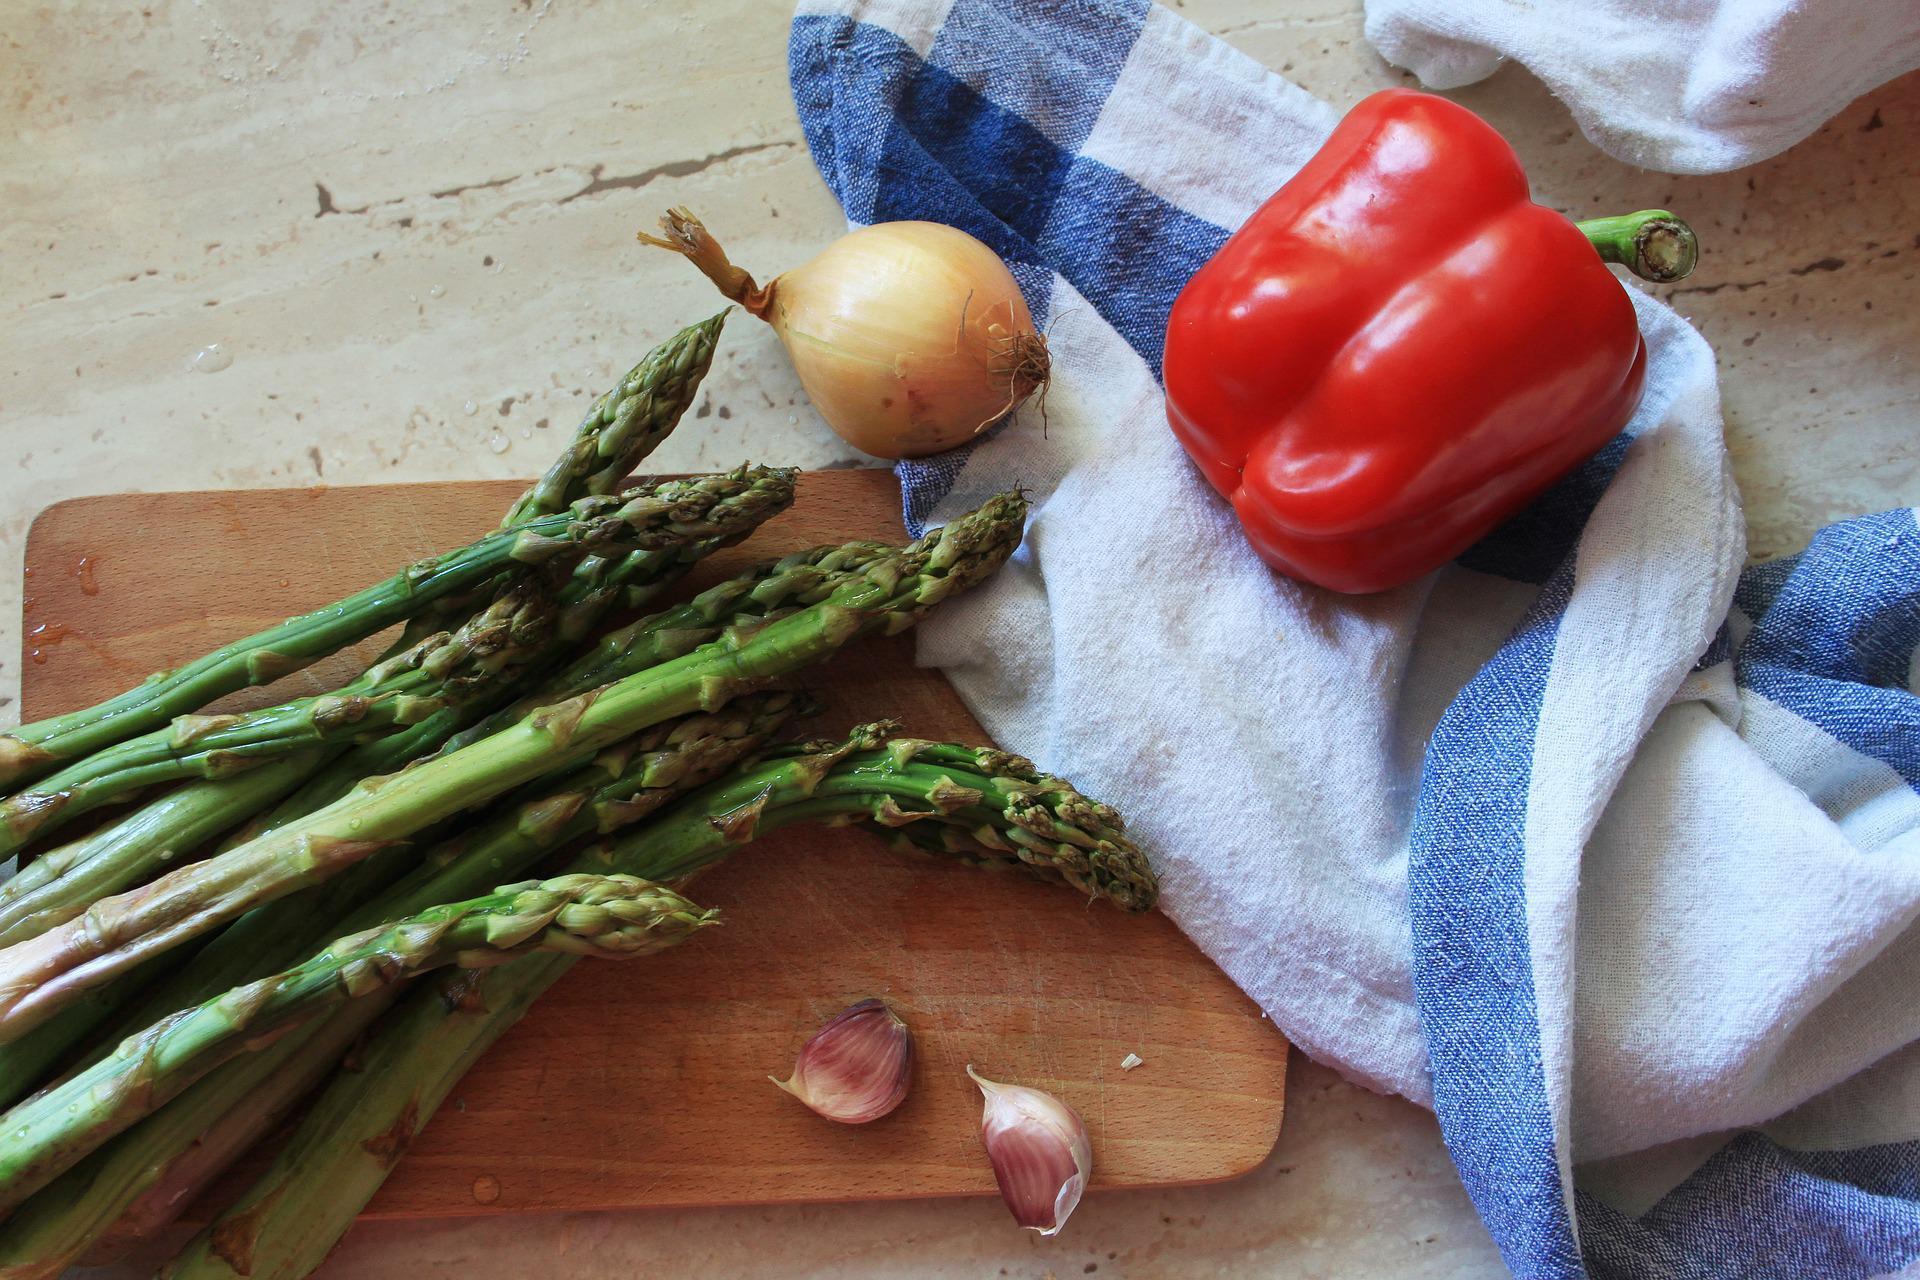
x=368 y=241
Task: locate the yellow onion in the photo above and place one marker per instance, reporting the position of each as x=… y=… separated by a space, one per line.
x=910 y=337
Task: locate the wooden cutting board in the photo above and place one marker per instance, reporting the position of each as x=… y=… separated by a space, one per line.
x=645 y=1083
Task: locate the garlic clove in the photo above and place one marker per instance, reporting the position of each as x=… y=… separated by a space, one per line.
x=857 y=1067
x=1040 y=1151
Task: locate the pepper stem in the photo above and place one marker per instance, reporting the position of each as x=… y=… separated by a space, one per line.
x=1653 y=244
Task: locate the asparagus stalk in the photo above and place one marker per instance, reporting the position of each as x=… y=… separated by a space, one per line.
x=643 y=410
x=767 y=591
x=37 y=977
x=576 y=914
x=494 y=647
x=150 y=1173
x=626 y=423
x=597 y=585
x=401 y=690
x=620 y=786
x=414 y=684
x=420 y=1051
x=998 y=806
x=58 y=885
x=648 y=404
x=590 y=524
x=1001 y=810
x=756 y=596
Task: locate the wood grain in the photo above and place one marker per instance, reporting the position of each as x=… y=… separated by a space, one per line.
x=645 y=1083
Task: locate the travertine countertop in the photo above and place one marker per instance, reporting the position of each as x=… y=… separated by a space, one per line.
x=369 y=241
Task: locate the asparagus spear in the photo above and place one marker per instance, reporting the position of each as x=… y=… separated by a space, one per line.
x=642 y=413
x=625 y=424
x=590 y=524
x=999 y=806
x=37 y=977
x=412 y=685
x=1003 y=811
x=398 y=691
x=767 y=591
x=797 y=579
x=151 y=1172
x=60 y=883
x=618 y=787
x=510 y=635
x=597 y=585
x=575 y=914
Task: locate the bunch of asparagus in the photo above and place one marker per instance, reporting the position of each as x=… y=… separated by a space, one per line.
x=178 y=980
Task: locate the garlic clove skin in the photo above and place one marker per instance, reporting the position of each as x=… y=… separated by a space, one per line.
x=857 y=1067
x=1041 y=1154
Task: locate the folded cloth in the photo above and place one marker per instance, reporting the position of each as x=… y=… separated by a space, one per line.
x=1601 y=848
x=1684 y=86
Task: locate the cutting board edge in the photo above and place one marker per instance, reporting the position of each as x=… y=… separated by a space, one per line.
x=1099 y=1189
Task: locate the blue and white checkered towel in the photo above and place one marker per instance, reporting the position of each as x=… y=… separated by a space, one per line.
x=1604 y=850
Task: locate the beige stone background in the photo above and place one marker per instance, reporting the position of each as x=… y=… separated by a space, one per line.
x=401 y=233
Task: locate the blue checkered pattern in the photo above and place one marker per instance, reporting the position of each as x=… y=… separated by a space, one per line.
x=982 y=123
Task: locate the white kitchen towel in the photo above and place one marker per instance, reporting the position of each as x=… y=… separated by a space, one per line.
x=1601 y=848
x=1683 y=86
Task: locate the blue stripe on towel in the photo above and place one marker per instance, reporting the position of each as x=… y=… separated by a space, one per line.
x=1473 y=964
x=1834 y=639
x=1757 y=1209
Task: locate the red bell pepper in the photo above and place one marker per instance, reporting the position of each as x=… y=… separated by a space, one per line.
x=1400 y=349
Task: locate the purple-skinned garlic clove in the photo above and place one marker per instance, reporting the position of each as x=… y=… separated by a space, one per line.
x=857 y=1067
x=1040 y=1151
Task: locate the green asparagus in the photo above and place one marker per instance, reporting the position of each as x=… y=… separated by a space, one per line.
x=149 y=1173
x=40 y=975
x=620 y=786
x=790 y=581
x=643 y=410
x=1000 y=807
x=399 y=691
x=412 y=685
x=578 y=915
x=58 y=885
x=625 y=424
x=591 y=524
x=767 y=591
x=597 y=585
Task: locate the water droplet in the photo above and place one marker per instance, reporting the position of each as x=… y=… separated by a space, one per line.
x=526 y=433
x=212 y=358
x=84 y=571
x=498 y=441
x=438 y=291
x=486 y=1187
x=47 y=633
x=469 y=408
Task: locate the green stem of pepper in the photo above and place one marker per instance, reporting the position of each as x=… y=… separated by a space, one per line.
x=1653 y=244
